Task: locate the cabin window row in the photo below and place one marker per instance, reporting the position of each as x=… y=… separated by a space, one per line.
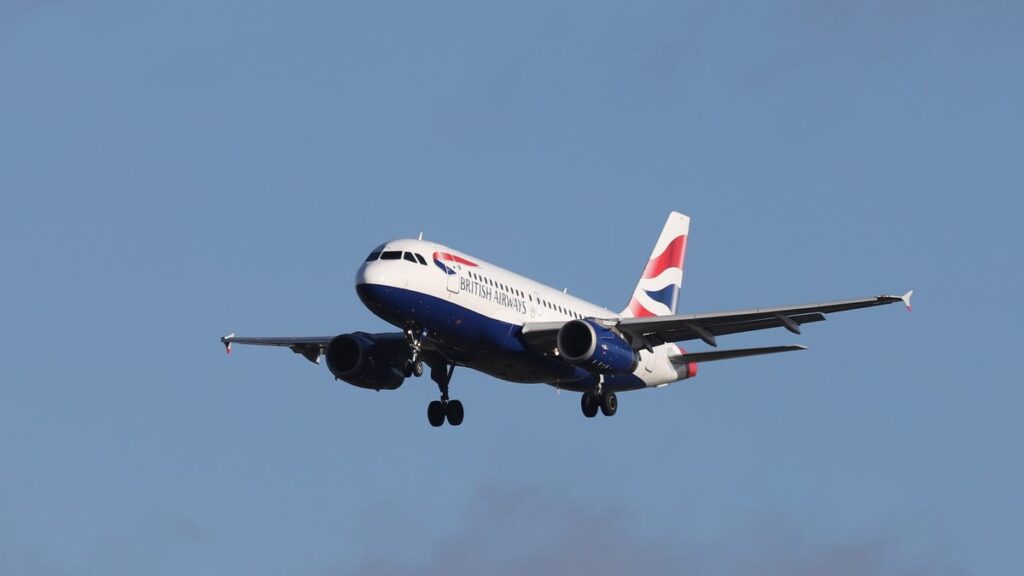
x=555 y=307
x=561 y=309
x=498 y=285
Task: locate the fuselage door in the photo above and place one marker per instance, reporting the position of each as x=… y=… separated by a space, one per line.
x=453 y=279
x=452 y=269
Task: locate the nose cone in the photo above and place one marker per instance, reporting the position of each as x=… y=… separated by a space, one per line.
x=374 y=273
x=375 y=281
x=361 y=274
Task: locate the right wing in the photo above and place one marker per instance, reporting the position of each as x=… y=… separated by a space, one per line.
x=658 y=329
x=649 y=331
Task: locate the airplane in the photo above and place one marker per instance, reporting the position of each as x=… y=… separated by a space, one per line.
x=454 y=309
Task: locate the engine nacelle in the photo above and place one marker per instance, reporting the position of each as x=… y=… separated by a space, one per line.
x=596 y=348
x=358 y=360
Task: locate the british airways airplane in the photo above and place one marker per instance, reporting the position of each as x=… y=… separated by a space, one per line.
x=456 y=310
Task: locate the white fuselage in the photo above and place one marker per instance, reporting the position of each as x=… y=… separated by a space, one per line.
x=478 y=309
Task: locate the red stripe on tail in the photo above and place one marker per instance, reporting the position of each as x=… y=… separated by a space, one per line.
x=670 y=257
x=638 y=309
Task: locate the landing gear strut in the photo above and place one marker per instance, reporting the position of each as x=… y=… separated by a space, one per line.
x=414 y=366
x=439 y=410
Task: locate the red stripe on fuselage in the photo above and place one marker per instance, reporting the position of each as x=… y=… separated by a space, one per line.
x=670 y=257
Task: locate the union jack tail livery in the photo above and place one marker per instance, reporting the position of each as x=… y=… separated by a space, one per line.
x=657 y=293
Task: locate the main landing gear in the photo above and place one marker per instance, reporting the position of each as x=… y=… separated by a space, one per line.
x=440 y=371
x=439 y=410
x=593 y=400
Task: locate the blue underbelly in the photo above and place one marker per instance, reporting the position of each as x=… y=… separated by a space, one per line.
x=482 y=343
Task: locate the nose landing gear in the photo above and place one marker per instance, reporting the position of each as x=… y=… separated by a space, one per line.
x=414 y=366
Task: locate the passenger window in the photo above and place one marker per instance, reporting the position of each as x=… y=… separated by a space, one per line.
x=391 y=255
x=373 y=256
x=420 y=259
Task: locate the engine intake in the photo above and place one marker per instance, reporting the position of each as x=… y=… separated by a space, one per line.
x=596 y=348
x=358 y=360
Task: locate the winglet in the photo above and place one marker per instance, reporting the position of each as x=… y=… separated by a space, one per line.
x=226 y=340
x=906 y=299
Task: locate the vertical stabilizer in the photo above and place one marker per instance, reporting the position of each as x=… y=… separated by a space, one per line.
x=657 y=293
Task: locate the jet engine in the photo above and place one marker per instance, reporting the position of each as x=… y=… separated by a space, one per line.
x=595 y=348
x=361 y=361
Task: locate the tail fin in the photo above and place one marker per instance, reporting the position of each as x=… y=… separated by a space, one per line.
x=657 y=293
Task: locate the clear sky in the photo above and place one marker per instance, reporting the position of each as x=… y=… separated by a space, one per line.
x=173 y=171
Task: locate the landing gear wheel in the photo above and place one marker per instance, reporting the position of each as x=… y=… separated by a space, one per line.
x=589 y=403
x=417 y=368
x=407 y=369
x=609 y=403
x=455 y=412
x=435 y=413
x=438 y=410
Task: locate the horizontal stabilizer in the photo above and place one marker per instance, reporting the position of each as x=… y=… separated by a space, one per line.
x=906 y=299
x=729 y=354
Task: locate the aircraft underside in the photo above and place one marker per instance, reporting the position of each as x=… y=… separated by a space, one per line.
x=462 y=337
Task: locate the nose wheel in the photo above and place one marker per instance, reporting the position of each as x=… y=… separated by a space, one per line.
x=444 y=409
x=414 y=366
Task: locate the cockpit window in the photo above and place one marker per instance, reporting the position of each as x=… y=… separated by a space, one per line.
x=420 y=259
x=408 y=256
x=373 y=256
x=391 y=255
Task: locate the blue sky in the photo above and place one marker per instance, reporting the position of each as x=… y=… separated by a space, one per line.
x=175 y=171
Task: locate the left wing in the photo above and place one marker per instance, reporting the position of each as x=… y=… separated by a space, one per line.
x=647 y=332
x=311 y=347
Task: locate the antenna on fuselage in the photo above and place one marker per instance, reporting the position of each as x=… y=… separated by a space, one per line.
x=420 y=236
